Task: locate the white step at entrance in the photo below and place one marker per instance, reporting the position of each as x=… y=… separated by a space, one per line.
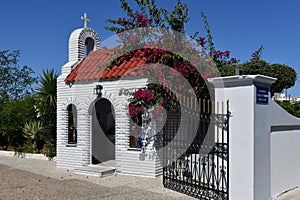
x=99 y=170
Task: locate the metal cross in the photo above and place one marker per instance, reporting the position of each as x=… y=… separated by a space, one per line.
x=85 y=19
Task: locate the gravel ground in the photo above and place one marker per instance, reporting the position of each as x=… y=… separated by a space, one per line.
x=23 y=178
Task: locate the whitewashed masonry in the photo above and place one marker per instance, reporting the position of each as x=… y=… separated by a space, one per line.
x=82 y=96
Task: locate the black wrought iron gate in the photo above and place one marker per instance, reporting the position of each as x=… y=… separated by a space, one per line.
x=198 y=168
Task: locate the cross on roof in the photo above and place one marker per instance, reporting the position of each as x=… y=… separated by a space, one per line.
x=85 y=19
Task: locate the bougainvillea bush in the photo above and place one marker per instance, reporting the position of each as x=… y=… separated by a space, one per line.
x=168 y=47
x=188 y=57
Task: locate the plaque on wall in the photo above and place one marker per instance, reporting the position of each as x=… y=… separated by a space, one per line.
x=262 y=95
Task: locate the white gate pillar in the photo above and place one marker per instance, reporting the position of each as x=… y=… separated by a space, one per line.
x=249 y=138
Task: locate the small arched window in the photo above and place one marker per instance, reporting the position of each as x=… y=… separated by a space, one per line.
x=72 y=124
x=135 y=138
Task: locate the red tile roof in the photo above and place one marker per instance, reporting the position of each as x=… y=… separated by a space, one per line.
x=93 y=67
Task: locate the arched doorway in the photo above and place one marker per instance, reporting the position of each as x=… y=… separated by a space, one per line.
x=103 y=131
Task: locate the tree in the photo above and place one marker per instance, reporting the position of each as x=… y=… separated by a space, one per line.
x=47 y=89
x=13 y=116
x=286 y=76
x=15 y=81
x=149 y=15
x=46 y=98
x=16 y=103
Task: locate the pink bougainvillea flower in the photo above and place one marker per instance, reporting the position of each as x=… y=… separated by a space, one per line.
x=180 y=86
x=233 y=60
x=206 y=74
x=142 y=20
x=122 y=21
x=156 y=112
x=202 y=41
x=226 y=53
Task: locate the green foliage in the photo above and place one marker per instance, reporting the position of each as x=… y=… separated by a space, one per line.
x=15 y=81
x=211 y=44
x=47 y=89
x=51 y=149
x=149 y=15
x=16 y=105
x=31 y=129
x=256 y=55
x=286 y=76
x=19 y=123
x=32 y=132
x=46 y=98
x=13 y=116
x=18 y=110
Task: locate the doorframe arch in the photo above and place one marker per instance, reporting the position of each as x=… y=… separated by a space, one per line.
x=90 y=104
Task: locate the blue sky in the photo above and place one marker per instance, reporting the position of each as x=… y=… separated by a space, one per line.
x=40 y=29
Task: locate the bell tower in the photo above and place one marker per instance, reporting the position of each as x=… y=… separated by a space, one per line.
x=82 y=41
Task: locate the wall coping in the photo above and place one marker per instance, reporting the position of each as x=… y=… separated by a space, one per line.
x=241 y=80
x=24 y=155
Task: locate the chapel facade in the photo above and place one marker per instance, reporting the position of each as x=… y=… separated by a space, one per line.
x=92 y=122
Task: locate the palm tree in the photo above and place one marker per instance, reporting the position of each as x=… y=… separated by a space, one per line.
x=46 y=98
x=47 y=89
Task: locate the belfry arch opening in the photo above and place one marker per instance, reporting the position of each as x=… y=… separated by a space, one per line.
x=89 y=45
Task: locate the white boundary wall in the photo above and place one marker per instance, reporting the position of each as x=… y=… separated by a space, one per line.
x=264 y=140
x=285 y=150
x=25 y=155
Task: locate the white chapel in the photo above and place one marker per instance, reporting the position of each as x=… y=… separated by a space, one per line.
x=92 y=122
